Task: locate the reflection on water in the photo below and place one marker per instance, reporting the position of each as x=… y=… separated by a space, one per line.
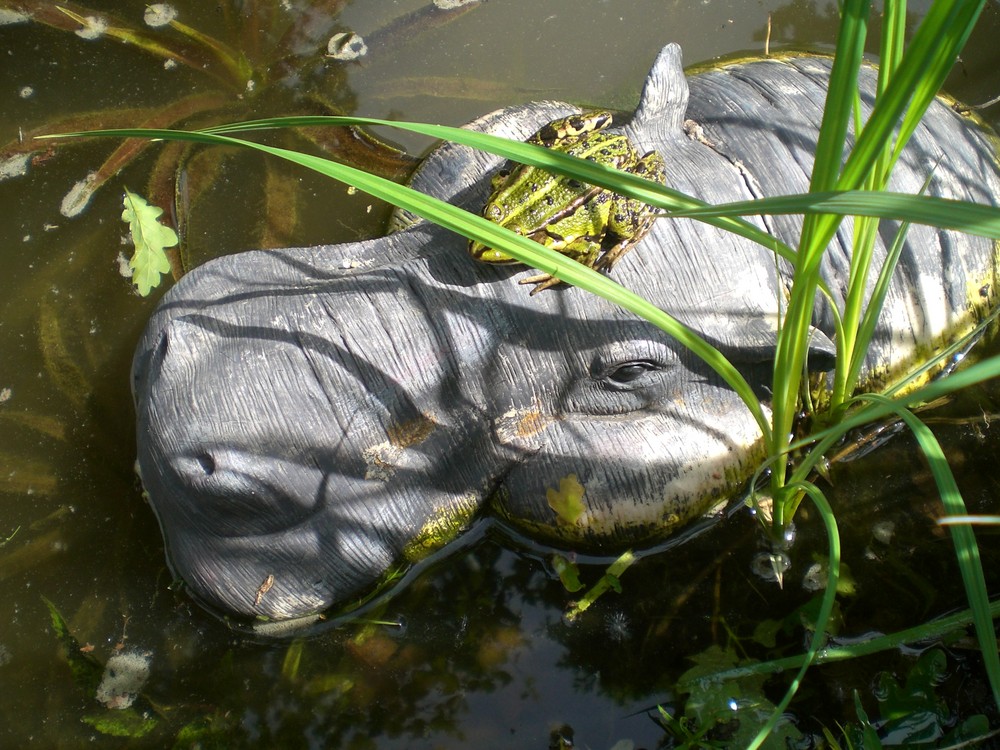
x=475 y=652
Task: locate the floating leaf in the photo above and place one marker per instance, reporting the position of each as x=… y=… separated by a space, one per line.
x=332 y=684
x=24 y=476
x=30 y=554
x=766 y=632
x=43 y=424
x=736 y=708
x=609 y=581
x=150 y=237
x=567 y=501
x=975 y=728
x=281 y=209
x=913 y=712
x=453 y=87
x=568 y=573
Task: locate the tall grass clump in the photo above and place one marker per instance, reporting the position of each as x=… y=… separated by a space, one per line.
x=842 y=184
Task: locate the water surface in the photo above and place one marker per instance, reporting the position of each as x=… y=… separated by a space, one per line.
x=475 y=652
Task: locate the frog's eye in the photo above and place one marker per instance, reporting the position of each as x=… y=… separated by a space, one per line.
x=629 y=372
x=576 y=125
x=494 y=212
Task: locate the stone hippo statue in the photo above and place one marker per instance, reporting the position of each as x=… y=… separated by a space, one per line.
x=311 y=421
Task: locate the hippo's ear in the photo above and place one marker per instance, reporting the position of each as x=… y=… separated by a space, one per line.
x=822 y=355
x=753 y=340
x=665 y=96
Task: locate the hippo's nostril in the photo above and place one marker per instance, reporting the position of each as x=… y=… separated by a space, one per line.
x=207 y=464
x=161 y=347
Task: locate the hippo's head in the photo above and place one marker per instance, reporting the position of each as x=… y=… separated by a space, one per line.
x=312 y=420
x=302 y=434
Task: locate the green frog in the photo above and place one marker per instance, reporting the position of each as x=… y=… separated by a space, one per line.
x=587 y=223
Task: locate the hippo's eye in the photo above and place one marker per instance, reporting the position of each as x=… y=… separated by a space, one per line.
x=628 y=372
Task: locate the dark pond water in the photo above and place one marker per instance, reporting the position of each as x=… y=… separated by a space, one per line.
x=475 y=652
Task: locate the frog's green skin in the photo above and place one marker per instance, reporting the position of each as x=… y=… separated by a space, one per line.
x=589 y=224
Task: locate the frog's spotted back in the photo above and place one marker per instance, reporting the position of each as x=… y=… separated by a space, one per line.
x=589 y=224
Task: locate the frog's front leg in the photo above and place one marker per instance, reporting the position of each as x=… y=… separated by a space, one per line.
x=584 y=250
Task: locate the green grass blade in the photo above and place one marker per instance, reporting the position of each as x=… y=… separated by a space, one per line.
x=841 y=94
x=952 y=354
x=926 y=631
x=654 y=194
x=926 y=62
x=893 y=39
x=972 y=519
x=475 y=227
x=862 y=254
x=822 y=617
x=964 y=539
x=940 y=38
x=849 y=374
x=943 y=213
x=793 y=339
x=526 y=153
x=824 y=440
x=935 y=47
x=859 y=316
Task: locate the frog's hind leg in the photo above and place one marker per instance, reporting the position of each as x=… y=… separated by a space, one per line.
x=542 y=281
x=611 y=256
x=639 y=218
x=630 y=220
x=545 y=281
x=614 y=253
x=584 y=249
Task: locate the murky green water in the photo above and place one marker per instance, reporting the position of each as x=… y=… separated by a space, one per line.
x=478 y=655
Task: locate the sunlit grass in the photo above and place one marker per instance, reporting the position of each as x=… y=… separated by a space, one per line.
x=909 y=79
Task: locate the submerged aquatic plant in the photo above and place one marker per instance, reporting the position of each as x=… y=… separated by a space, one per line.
x=275 y=58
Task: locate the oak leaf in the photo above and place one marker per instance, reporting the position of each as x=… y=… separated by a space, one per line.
x=150 y=237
